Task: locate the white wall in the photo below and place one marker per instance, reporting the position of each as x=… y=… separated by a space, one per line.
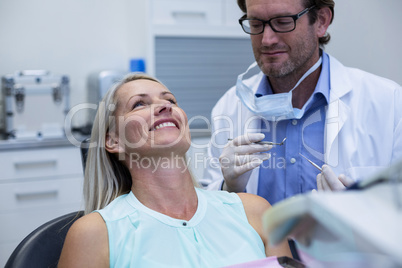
x=77 y=37
x=72 y=37
x=367 y=34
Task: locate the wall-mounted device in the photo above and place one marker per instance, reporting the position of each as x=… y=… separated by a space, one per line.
x=35 y=103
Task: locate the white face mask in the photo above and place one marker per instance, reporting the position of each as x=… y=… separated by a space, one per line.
x=273 y=107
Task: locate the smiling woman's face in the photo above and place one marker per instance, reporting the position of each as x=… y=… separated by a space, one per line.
x=149 y=122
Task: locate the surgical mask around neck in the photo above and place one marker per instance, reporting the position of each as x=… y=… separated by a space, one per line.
x=273 y=107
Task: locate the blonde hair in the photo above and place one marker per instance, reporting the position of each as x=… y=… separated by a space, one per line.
x=105 y=176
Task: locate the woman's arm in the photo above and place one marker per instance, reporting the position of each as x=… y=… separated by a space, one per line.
x=255 y=206
x=86 y=243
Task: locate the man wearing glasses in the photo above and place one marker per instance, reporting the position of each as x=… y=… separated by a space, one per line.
x=347 y=121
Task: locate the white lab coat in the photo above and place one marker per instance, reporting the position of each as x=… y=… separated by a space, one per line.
x=363 y=128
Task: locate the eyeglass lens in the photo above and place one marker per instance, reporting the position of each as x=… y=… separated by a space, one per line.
x=283 y=24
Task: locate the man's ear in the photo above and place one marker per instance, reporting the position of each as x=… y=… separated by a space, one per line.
x=112 y=144
x=324 y=17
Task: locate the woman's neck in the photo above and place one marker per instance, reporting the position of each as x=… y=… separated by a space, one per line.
x=164 y=184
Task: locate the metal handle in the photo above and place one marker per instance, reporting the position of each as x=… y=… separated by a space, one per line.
x=35 y=195
x=189 y=15
x=35 y=164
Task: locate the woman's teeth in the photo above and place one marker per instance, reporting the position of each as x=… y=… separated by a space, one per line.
x=166 y=124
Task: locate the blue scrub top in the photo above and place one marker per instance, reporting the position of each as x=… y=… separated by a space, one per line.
x=286 y=173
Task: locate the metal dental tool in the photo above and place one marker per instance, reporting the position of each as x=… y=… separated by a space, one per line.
x=311 y=162
x=267 y=142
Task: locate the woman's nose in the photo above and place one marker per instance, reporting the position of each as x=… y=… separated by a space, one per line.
x=163 y=108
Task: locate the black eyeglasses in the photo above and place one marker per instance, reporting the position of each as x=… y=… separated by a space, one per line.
x=281 y=24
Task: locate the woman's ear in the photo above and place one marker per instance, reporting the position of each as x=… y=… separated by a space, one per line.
x=112 y=144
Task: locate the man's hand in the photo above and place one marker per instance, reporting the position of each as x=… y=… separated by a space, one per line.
x=328 y=181
x=239 y=157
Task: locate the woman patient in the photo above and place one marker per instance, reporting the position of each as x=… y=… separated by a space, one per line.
x=147 y=211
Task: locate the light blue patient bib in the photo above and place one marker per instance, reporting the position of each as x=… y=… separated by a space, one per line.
x=217 y=235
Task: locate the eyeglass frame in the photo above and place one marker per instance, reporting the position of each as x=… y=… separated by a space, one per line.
x=264 y=22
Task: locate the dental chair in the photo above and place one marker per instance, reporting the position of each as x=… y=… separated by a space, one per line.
x=42 y=247
x=84 y=152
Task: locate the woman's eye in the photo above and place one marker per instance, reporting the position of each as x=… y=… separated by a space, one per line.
x=172 y=101
x=138 y=104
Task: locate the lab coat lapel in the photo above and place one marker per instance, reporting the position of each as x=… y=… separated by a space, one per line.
x=251 y=123
x=337 y=111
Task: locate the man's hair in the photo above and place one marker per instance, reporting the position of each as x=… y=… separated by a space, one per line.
x=312 y=13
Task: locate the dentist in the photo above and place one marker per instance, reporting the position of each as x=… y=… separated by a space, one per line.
x=344 y=119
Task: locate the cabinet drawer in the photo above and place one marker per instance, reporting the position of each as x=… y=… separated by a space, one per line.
x=21 y=164
x=185 y=12
x=22 y=196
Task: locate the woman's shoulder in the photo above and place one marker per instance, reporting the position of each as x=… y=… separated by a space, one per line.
x=90 y=226
x=251 y=202
x=119 y=208
x=254 y=205
x=86 y=243
x=220 y=196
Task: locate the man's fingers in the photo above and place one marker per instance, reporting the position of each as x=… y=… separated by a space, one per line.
x=324 y=183
x=346 y=181
x=330 y=179
x=251 y=149
x=247 y=167
x=327 y=180
x=243 y=159
x=319 y=182
x=248 y=139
